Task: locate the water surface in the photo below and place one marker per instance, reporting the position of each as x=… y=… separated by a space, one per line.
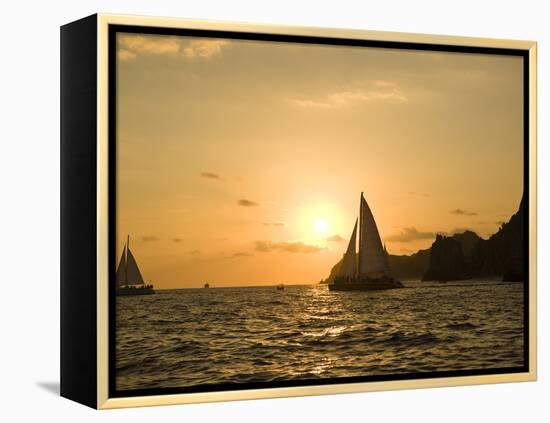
x=189 y=337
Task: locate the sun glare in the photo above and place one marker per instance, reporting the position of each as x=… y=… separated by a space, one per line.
x=320 y=226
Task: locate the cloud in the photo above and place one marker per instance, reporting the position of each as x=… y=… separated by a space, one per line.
x=409 y=235
x=455 y=231
x=132 y=45
x=149 y=238
x=335 y=238
x=274 y=223
x=195 y=252
x=177 y=240
x=241 y=254
x=462 y=212
x=483 y=222
x=247 y=203
x=209 y=175
x=419 y=194
x=125 y=55
x=374 y=91
x=287 y=247
x=203 y=48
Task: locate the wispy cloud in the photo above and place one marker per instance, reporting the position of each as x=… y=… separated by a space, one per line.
x=210 y=175
x=149 y=238
x=335 y=238
x=462 y=212
x=274 y=223
x=126 y=55
x=194 y=252
x=418 y=194
x=176 y=240
x=247 y=203
x=130 y=46
x=369 y=92
x=455 y=231
x=410 y=234
x=483 y=222
x=203 y=48
x=241 y=254
x=287 y=247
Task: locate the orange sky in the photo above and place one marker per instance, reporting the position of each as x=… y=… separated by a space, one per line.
x=242 y=162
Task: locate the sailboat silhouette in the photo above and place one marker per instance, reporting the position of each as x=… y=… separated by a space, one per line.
x=368 y=269
x=129 y=280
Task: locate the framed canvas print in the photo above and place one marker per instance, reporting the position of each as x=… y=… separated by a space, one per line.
x=255 y=211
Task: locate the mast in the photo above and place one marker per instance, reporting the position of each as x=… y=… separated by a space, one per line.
x=133 y=274
x=372 y=254
x=360 y=234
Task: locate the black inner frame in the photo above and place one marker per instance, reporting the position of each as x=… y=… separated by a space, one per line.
x=112 y=195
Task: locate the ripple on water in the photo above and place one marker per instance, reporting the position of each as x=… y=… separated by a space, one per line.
x=237 y=335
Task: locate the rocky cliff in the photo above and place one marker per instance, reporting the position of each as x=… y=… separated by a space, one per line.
x=450 y=259
x=466 y=255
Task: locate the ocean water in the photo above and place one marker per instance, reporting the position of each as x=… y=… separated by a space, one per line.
x=189 y=337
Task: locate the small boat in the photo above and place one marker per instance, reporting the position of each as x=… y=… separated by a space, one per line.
x=280 y=286
x=368 y=269
x=207 y=285
x=128 y=276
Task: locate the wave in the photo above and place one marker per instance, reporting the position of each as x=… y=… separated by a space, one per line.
x=461 y=326
x=195 y=337
x=402 y=339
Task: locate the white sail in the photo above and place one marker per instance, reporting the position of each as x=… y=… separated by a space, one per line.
x=373 y=262
x=121 y=269
x=348 y=269
x=132 y=270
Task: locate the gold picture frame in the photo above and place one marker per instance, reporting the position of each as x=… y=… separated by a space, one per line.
x=93 y=34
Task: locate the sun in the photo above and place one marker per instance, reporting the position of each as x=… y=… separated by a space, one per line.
x=320 y=226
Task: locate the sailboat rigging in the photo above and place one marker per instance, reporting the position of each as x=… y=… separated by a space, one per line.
x=368 y=269
x=129 y=280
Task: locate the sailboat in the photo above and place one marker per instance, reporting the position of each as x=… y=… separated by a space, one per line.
x=128 y=277
x=369 y=268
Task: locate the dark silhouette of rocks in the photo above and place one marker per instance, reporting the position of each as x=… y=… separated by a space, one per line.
x=448 y=260
x=451 y=257
x=464 y=255
x=410 y=267
x=503 y=253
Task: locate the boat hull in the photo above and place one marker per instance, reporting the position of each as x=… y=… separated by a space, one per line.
x=134 y=291
x=372 y=285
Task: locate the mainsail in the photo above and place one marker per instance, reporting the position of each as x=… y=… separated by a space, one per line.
x=373 y=261
x=121 y=270
x=128 y=271
x=348 y=269
x=132 y=270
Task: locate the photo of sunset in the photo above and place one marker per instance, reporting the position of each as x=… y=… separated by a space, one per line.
x=298 y=211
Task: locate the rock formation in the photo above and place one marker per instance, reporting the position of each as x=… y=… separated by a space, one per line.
x=466 y=255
